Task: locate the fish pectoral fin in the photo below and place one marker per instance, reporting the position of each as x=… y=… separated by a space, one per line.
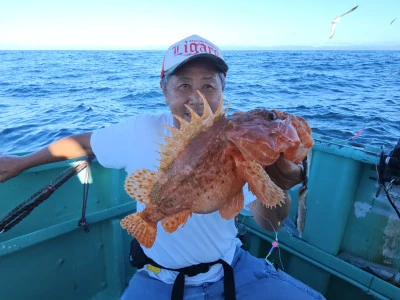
x=145 y=232
x=172 y=222
x=260 y=184
x=232 y=207
x=138 y=185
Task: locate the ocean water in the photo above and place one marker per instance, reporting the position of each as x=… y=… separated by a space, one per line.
x=46 y=95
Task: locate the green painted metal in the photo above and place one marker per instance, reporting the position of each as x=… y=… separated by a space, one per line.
x=48 y=255
x=317 y=268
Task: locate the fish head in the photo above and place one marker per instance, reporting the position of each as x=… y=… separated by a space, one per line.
x=260 y=136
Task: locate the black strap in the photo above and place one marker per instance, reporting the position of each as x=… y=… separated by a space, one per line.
x=139 y=259
x=179 y=285
x=229 y=280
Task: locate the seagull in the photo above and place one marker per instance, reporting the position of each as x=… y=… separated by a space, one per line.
x=393 y=21
x=337 y=20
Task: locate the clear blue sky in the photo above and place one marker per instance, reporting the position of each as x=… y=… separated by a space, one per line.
x=233 y=24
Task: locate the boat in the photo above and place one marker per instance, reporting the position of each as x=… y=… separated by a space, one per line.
x=71 y=245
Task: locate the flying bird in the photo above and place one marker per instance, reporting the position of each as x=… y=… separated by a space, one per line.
x=337 y=20
x=393 y=21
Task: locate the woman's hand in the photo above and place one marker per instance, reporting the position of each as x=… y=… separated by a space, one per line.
x=10 y=166
x=271 y=218
x=284 y=173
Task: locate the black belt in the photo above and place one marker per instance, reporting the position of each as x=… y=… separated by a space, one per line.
x=138 y=259
x=229 y=281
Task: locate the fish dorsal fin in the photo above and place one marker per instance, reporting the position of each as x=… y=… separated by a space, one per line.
x=188 y=131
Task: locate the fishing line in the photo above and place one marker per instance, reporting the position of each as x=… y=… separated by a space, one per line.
x=275 y=243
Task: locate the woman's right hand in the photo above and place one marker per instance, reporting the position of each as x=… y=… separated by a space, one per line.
x=10 y=166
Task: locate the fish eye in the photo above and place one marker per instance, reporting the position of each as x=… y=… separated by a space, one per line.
x=271 y=116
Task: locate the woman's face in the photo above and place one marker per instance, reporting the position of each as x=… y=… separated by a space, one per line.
x=182 y=89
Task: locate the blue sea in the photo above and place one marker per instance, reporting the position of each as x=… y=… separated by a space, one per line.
x=46 y=95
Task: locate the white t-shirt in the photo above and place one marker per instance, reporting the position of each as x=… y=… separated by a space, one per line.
x=132 y=145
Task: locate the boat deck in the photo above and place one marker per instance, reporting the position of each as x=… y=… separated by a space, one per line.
x=47 y=255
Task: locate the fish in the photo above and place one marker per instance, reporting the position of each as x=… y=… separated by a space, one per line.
x=338 y=19
x=302 y=196
x=393 y=21
x=206 y=162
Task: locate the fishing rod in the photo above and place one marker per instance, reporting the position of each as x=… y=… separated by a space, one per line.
x=22 y=210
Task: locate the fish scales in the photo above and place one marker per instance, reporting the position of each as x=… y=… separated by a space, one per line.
x=206 y=163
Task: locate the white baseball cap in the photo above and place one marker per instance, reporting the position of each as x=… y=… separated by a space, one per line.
x=189 y=48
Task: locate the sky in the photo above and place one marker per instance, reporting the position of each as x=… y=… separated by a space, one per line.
x=232 y=24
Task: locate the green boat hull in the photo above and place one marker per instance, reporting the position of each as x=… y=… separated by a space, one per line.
x=47 y=255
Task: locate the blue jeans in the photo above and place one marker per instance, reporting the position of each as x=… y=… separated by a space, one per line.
x=254 y=279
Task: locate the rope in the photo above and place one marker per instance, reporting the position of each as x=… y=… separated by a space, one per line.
x=82 y=222
x=22 y=210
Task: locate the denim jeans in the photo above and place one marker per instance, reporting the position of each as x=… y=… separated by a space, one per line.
x=254 y=279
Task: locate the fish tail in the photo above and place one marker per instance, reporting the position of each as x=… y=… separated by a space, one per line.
x=145 y=232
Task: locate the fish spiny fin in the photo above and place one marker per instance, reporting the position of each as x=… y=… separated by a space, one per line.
x=232 y=207
x=171 y=223
x=259 y=183
x=219 y=113
x=187 y=132
x=138 y=185
x=143 y=231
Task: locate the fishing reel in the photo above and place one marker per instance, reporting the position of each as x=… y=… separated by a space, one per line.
x=389 y=167
x=389 y=173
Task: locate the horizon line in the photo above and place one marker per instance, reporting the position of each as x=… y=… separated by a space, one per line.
x=222 y=47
